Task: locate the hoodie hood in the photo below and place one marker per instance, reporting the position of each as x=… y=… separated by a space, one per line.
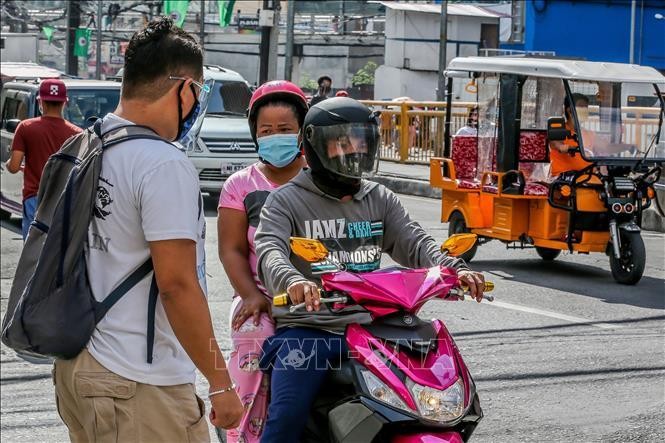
x=304 y=180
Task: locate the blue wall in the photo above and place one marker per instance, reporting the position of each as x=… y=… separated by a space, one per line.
x=596 y=30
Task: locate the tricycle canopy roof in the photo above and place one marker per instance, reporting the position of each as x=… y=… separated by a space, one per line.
x=557 y=68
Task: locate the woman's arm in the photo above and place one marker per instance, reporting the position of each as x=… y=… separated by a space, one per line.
x=233 y=250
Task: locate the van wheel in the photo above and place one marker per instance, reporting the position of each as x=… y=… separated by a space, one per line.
x=548 y=254
x=628 y=269
x=457 y=225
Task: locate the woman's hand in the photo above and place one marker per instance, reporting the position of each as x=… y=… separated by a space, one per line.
x=252 y=305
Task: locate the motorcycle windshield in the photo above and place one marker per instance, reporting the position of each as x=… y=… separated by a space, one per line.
x=406 y=289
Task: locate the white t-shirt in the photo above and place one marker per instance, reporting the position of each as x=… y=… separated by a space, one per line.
x=148 y=191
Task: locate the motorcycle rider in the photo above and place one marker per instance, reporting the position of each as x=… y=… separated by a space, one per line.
x=357 y=220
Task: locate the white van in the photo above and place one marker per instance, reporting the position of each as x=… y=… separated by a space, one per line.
x=225 y=144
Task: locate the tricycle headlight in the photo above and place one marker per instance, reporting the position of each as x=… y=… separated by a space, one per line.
x=383 y=393
x=442 y=406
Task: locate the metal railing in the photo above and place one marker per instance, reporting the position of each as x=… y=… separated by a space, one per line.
x=412 y=132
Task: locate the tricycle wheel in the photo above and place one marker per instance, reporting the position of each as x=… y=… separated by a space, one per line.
x=457 y=225
x=547 y=254
x=628 y=269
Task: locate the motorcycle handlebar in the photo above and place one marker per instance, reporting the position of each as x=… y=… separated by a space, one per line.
x=283 y=299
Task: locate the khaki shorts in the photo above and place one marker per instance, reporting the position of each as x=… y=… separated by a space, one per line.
x=100 y=406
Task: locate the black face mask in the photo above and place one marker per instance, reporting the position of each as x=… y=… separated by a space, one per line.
x=184 y=124
x=335 y=185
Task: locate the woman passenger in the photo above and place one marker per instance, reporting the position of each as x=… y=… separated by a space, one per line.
x=276 y=112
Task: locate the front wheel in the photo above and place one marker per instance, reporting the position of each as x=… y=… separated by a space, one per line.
x=457 y=225
x=548 y=254
x=628 y=269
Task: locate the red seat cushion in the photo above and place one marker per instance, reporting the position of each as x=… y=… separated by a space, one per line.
x=538 y=189
x=465 y=156
x=468 y=184
x=533 y=146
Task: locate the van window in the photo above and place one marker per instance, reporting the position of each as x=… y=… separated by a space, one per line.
x=86 y=103
x=229 y=98
x=16 y=107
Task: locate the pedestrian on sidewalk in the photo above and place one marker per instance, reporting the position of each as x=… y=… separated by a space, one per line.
x=36 y=139
x=276 y=112
x=325 y=87
x=149 y=205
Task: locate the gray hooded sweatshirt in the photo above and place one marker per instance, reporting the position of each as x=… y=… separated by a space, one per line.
x=356 y=232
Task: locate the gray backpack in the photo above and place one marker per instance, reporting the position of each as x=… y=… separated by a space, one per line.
x=51 y=309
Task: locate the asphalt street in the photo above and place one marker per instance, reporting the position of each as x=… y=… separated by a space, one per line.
x=563 y=354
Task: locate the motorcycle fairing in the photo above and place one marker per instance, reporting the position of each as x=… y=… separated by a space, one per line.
x=438 y=369
x=387 y=291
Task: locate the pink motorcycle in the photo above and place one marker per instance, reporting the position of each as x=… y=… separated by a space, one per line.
x=405 y=380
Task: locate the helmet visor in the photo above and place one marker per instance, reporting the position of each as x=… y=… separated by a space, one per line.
x=348 y=149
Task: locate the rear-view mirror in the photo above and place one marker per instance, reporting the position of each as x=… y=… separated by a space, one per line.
x=556 y=129
x=11 y=125
x=311 y=251
x=458 y=244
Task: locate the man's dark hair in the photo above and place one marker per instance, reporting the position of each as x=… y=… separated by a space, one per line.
x=159 y=50
x=323 y=78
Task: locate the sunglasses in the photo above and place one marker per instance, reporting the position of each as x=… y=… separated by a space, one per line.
x=204 y=88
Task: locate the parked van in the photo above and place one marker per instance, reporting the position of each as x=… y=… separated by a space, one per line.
x=225 y=144
x=18 y=101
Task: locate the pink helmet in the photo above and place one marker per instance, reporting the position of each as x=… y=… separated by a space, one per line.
x=276 y=90
x=342 y=93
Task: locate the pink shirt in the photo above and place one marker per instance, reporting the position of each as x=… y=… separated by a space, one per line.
x=247 y=191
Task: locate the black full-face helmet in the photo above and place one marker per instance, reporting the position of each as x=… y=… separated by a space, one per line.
x=341 y=144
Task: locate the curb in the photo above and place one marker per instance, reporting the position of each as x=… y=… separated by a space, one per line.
x=651 y=220
x=407 y=186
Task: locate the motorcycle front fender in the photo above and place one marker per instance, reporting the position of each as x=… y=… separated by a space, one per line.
x=429 y=437
x=630 y=226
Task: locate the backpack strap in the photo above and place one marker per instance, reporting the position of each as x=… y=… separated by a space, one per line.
x=152 y=307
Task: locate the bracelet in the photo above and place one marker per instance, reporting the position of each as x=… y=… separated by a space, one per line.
x=222 y=391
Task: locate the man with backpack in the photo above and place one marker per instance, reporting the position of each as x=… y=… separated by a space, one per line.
x=134 y=378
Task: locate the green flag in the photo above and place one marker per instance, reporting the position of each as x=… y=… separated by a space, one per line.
x=48 y=32
x=82 y=42
x=225 y=11
x=177 y=10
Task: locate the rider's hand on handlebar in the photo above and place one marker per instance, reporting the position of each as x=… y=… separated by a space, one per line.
x=475 y=281
x=307 y=292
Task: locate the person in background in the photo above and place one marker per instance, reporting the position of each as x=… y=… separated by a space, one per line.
x=471 y=127
x=36 y=139
x=565 y=155
x=276 y=112
x=325 y=86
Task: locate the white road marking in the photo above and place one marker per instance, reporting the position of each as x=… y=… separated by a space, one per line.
x=551 y=314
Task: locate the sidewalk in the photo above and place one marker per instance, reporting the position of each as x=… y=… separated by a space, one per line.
x=414 y=180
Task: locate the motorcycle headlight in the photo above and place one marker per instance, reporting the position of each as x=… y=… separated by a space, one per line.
x=383 y=393
x=442 y=406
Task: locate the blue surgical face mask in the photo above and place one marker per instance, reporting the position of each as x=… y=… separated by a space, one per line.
x=279 y=150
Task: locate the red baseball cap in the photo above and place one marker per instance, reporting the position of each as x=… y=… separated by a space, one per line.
x=52 y=90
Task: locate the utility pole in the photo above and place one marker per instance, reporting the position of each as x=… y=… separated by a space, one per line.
x=73 y=22
x=631 y=56
x=202 y=19
x=98 y=68
x=443 y=39
x=288 y=50
x=269 y=44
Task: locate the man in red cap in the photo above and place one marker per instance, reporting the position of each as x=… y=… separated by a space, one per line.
x=36 y=139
